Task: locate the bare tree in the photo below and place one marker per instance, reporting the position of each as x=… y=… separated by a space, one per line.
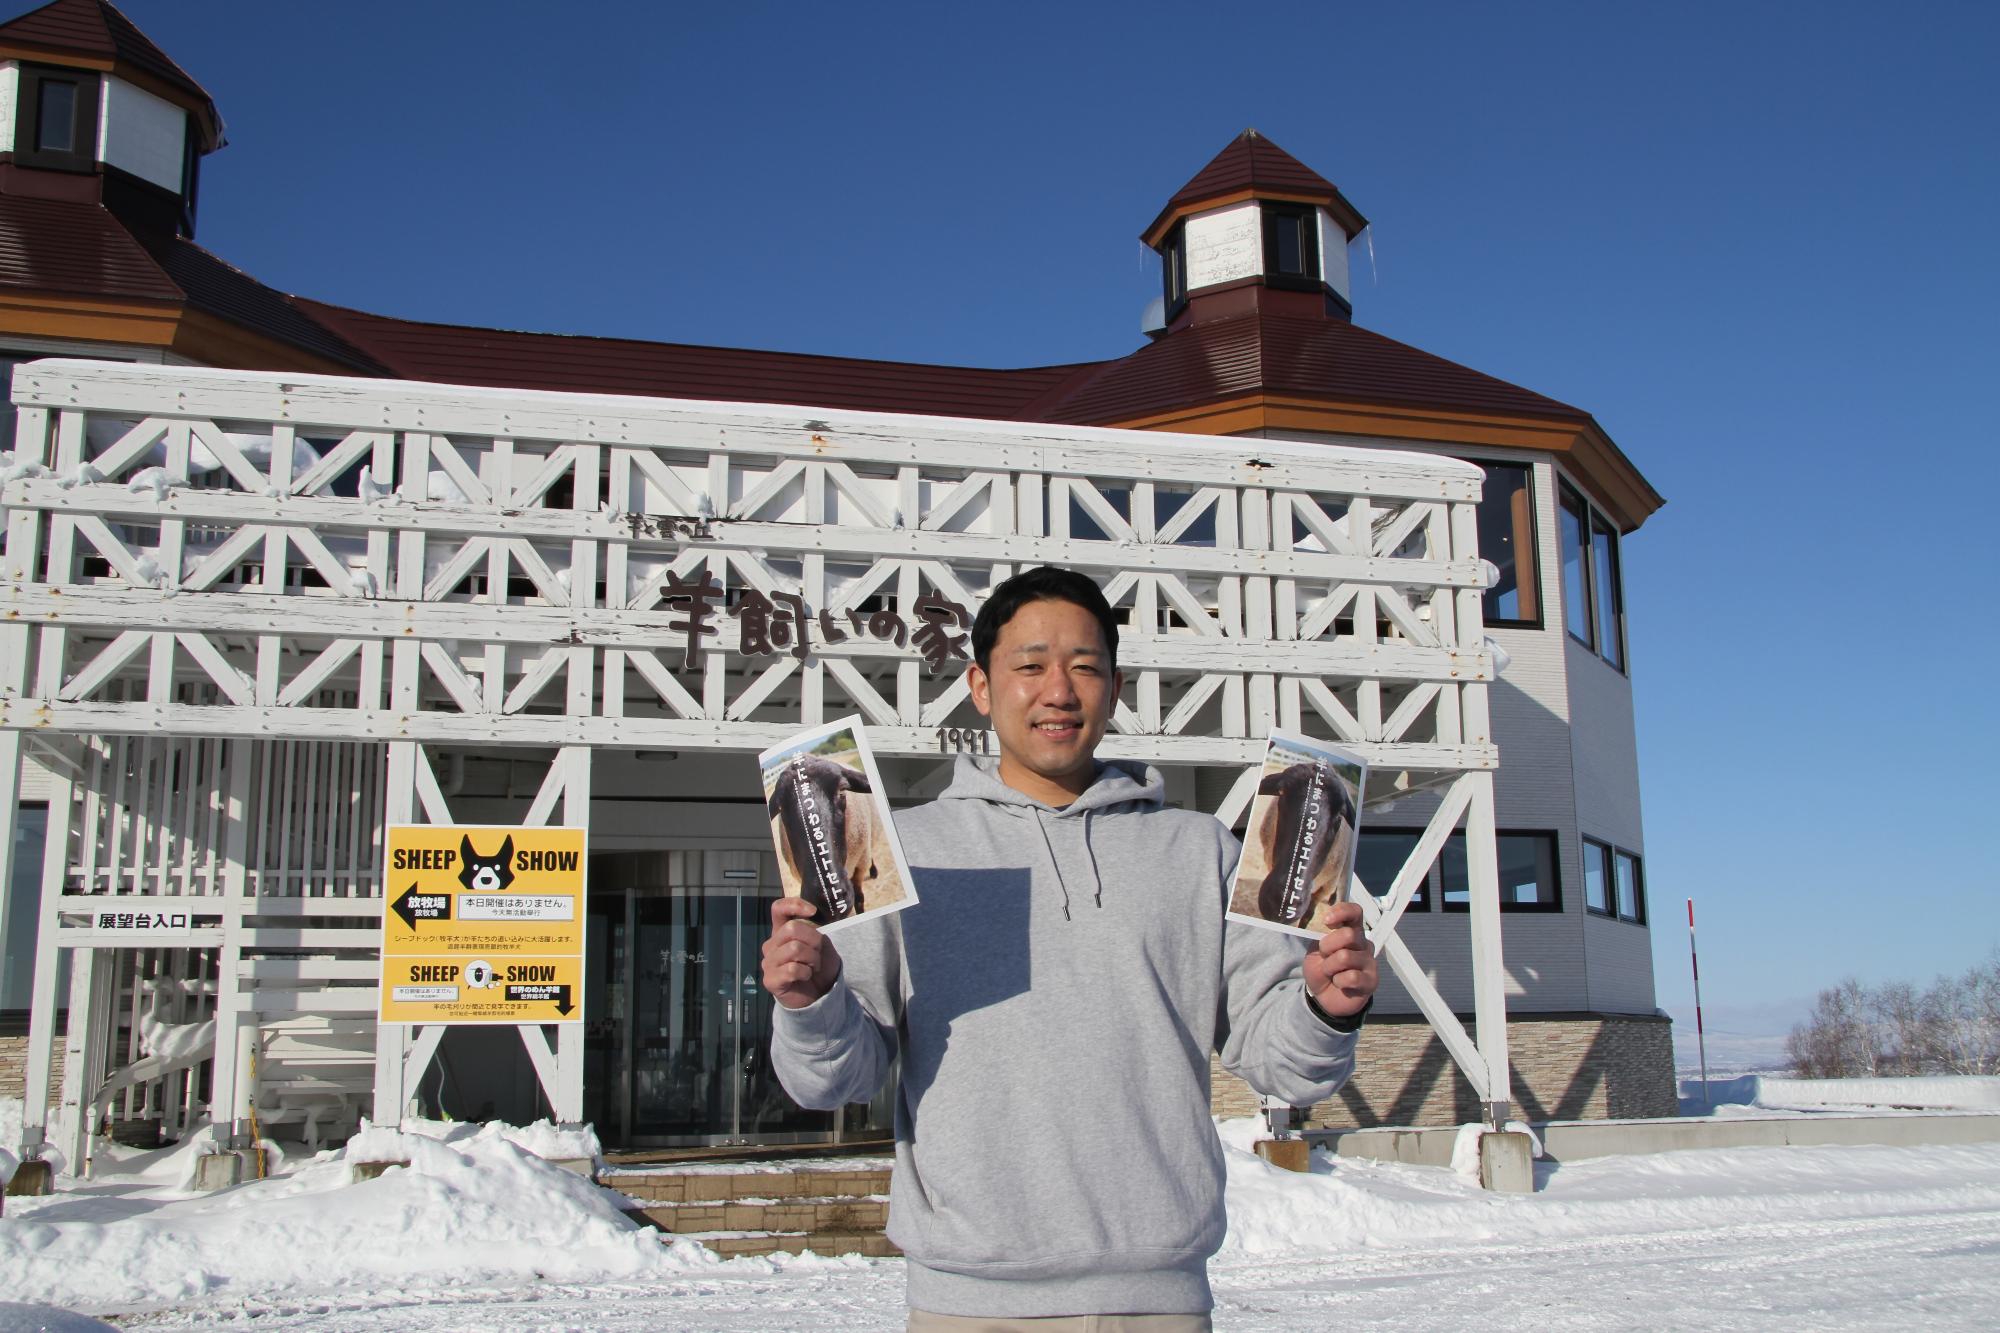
x=1857 y=1031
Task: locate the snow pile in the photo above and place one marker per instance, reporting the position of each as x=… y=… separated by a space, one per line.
x=44 y=1319
x=1356 y=1204
x=10 y=1138
x=1960 y=1093
x=550 y=1142
x=477 y=1209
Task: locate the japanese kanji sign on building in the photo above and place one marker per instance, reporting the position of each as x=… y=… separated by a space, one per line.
x=484 y=924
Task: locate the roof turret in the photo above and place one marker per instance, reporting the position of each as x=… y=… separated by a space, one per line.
x=104 y=39
x=1253 y=167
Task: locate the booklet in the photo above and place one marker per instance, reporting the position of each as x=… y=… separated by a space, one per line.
x=830 y=822
x=1298 y=847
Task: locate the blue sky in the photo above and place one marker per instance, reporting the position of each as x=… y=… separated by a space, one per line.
x=1755 y=240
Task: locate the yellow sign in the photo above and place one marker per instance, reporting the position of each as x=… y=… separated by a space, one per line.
x=484 y=924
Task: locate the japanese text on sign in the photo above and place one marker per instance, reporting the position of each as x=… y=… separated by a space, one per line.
x=783 y=623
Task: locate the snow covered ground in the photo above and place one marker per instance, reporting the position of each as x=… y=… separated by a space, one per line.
x=477 y=1234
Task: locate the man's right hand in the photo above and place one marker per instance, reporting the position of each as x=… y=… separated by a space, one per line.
x=800 y=963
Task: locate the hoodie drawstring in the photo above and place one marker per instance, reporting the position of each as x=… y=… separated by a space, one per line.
x=1055 y=862
x=1090 y=851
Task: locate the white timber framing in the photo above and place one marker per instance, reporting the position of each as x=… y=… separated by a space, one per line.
x=325 y=579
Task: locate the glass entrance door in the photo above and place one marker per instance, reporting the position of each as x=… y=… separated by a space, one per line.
x=679 y=1038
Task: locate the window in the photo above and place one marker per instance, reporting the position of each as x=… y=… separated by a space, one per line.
x=1085 y=527
x=1607 y=602
x=1507 y=538
x=1614 y=883
x=22 y=904
x=1528 y=880
x=1199 y=531
x=1631 y=892
x=56 y=120
x=1596 y=878
x=1593 y=592
x=1173 y=269
x=1576 y=589
x=1291 y=246
x=1380 y=857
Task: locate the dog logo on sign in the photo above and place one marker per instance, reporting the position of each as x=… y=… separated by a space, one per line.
x=486 y=874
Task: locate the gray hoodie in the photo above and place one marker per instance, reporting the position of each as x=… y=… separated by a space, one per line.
x=1055 y=995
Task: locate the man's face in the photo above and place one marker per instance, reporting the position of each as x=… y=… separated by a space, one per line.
x=1049 y=689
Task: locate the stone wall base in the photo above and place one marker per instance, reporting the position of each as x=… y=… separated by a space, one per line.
x=14 y=1069
x=1565 y=1067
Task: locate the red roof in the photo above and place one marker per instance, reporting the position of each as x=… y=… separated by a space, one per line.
x=1301 y=356
x=1253 y=164
x=97 y=28
x=460 y=354
x=80 y=249
x=75 y=249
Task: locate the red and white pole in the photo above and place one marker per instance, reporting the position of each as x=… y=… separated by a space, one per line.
x=1701 y=1038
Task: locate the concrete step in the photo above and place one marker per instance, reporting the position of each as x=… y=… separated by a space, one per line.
x=717 y=1186
x=749 y=1212
x=837 y=1216
x=872 y=1244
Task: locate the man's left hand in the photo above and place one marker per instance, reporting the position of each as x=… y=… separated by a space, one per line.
x=1340 y=973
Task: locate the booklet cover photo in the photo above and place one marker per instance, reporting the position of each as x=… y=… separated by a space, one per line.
x=1299 y=843
x=831 y=825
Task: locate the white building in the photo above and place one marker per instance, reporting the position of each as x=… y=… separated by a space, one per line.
x=254 y=754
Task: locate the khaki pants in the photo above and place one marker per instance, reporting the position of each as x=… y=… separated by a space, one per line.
x=923 y=1321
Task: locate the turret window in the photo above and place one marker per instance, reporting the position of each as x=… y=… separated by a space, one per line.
x=1291 y=245
x=57 y=119
x=1173 y=269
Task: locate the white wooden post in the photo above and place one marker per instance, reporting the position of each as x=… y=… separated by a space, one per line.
x=232 y=1084
x=1489 y=972
x=42 y=1005
x=567 y=1096
x=392 y=1040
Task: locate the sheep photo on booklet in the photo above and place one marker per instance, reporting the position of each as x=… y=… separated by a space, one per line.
x=831 y=825
x=1299 y=843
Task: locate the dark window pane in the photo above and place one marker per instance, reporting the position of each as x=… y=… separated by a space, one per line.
x=1604 y=582
x=1507 y=538
x=1596 y=878
x=1527 y=870
x=23 y=907
x=1284 y=243
x=1173 y=265
x=1576 y=594
x=1083 y=526
x=1630 y=904
x=1199 y=532
x=55 y=124
x=1379 y=858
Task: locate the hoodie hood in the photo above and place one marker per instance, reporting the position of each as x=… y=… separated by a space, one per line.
x=1064 y=834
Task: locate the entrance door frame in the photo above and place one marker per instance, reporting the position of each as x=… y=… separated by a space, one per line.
x=662 y=844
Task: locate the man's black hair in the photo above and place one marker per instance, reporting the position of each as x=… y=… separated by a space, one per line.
x=1044 y=583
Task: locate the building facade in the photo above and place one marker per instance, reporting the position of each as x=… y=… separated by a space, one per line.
x=101 y=141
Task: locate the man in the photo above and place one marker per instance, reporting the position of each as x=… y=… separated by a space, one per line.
x=1054 y=996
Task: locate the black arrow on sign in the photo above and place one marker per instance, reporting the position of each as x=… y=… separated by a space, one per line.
x=414 y=907
x=542 y=993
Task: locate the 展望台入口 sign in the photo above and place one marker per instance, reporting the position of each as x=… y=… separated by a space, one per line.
x=483 y=924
